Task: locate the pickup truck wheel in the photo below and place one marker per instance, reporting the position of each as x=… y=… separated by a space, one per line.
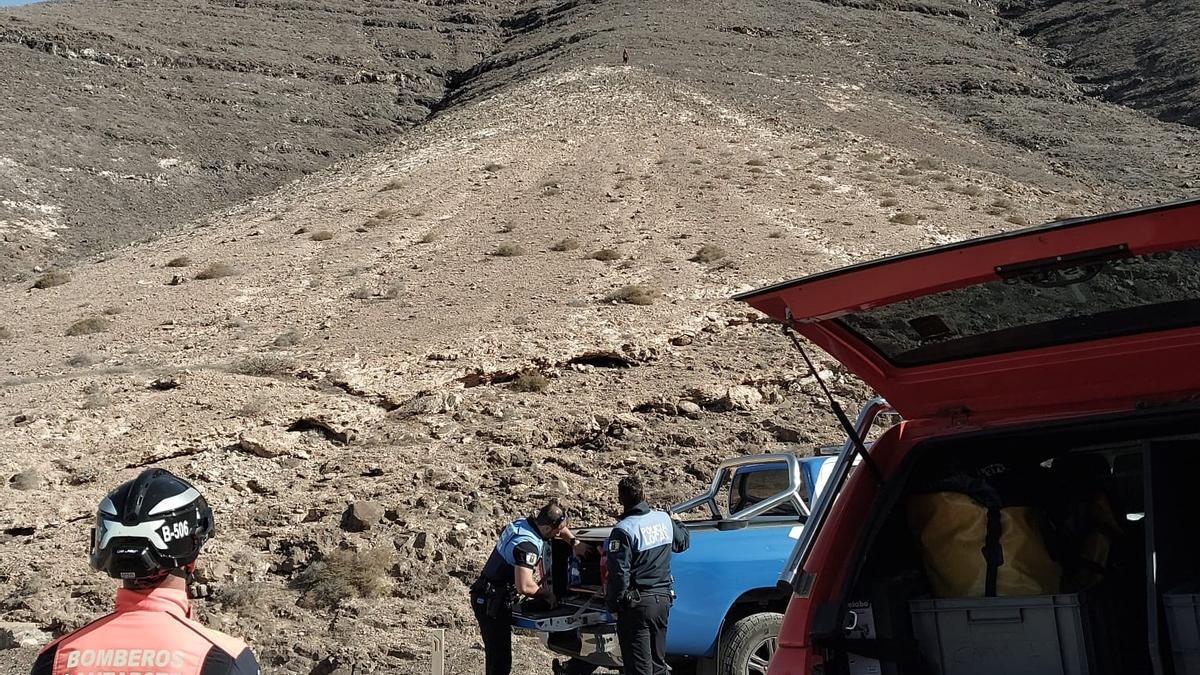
x=749 y=644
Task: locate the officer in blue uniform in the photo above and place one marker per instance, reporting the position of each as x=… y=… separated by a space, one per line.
x=639 y=579
x=518 y=568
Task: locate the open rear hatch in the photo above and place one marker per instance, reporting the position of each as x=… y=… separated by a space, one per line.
x=1084 y=315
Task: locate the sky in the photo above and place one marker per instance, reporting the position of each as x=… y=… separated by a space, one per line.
x=11 y=3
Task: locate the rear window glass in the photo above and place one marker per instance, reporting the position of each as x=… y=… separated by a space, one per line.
x=1040 y=307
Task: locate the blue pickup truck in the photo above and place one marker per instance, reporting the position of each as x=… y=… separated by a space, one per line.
x=728 y=609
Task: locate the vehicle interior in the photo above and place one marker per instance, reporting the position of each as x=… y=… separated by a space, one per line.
x=1067 y=548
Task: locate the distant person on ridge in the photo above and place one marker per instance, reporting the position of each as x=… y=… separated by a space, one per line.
x=148 y=534
x=624 y=56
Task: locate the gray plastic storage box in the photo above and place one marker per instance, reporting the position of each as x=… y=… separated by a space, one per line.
x=1042 y=634
x=1183 y=626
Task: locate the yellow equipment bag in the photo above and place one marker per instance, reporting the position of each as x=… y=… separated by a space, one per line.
x=973 y=546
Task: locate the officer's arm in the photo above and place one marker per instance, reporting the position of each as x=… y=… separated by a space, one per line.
x=620 y=555
x=681 y=538
x=44 y=665
x=525 y=560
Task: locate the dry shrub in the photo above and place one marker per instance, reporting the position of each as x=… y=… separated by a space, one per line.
x=239 y=595
x=776 y=234
x=1003 y=203
x=428 y=238
x=635 y=294
x=531 y=381
x=887 y=194
x=1018 y=220
x=1061 y=216
x=566 y=245
x=217 y=270
x=27 y=479
x=361 y=293
x=5 y=333
x=507 y=227
x=818 y=186
x=255 y=407
x=384 y=214
x=181 y=261
x=709 y=253
x=113 y=311
x=606 y=255
x=508 y=250
x=393 y=185
x=889 y=202
x=392 y=292
x=492 y=167
x=301 y=230
x=908 y=171
x=905 y=218
x=969 y=190
x=88 y=326
x=695 y=161
x=930 y=164
x=83 y=360
x=872 y=156
x=756 y=161
x=263 y=365
x=51 y=279
x=346 y=574
x=321 y=235
x=288 y=338
x=97 y=400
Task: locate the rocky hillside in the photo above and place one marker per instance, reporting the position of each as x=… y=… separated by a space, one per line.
x=370 y=369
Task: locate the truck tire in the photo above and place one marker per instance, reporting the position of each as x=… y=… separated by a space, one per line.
x=748 y=645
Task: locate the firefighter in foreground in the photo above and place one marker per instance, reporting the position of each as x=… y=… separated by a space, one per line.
x=148 y=534
x=639 y=579
x=518 y=569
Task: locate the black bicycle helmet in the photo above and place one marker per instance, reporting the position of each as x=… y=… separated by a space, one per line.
x=149 y=527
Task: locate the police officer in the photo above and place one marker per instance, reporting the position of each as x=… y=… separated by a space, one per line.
x=518 y=568
x=148 y=534
x=639 y=579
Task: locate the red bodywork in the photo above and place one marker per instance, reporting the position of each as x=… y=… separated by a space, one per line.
x=952 y=396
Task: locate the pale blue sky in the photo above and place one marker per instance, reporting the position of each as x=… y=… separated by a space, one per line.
x=10 y=3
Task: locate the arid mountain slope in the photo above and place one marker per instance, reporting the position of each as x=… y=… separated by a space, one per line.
x=122 y=120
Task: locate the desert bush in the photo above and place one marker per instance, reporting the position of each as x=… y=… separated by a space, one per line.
x=508 y=250
x=181 y=261
x=255 y=407
x=392 y=185
x=1018 y=220
x=635 y=294
x=301 y=230
x=818 y=186
x=929 y=164
x=239 y=595
x=113 y=310
x=709 y=253
x=970 y=190
x=904 y=218
x=566 y=245
x=492 y=167
x=288 y=338
x=361 y=293
x=889 y=202
x=392 y=292
x=5 y=333
x=28 y=479
x=756 y=161
x=83 y=360
x=695 y=161
x=384 y=214
x=97 y=400
x=88 y=326
x=321 y=235
x=776 y=234
x=217 y=270
x=606 y=255
x=342 y=575
x=888 y=194
x=908 y=171
x=1003 y=203
x=507 y=227
x=531 y=381
x=428 y=238
x=51 y=279
x=263 y=365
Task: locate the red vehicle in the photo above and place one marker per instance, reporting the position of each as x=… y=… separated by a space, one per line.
x=1062 y=361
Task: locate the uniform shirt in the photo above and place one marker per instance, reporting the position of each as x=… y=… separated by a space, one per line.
x=150 y=633
x=639 y=553
x=519 y=545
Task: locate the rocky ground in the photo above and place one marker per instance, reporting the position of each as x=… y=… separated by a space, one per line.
x=373 y=368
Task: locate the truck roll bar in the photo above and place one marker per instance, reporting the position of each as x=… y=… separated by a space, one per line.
x=728 y=467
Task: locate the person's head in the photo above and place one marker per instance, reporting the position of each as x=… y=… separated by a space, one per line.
x=630 y=492
x=150 y=529
x=550 y=519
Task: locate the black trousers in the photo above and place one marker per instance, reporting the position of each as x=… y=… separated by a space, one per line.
x=497 y=637
x=642 y=632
